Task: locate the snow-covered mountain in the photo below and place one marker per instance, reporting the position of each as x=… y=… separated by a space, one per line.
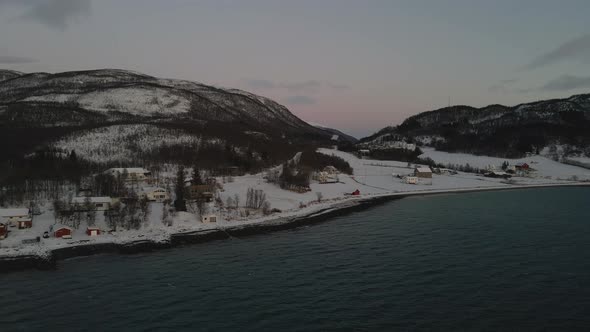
x=113 y=95
x=500 y=130
x=8 y=74
x=66 y=110
x=337 y=135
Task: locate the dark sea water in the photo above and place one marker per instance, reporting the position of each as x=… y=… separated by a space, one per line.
x=510 y=260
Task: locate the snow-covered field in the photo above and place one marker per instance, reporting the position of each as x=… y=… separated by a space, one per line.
x=545 y=167
x=372 y=178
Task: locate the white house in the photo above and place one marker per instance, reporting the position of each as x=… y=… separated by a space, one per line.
x=155 y=194
x=96 y=203
x=13 y=216
x=133 y=173
x=207 y=218
x=411 y=179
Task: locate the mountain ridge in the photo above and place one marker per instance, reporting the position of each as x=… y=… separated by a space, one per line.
x=499 y=130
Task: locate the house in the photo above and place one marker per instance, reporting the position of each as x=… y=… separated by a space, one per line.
x=411 y=180
x=92 y=203
x=12 y=216
x=207 y=218
x=356 y=193
x=522 y=166
x=498 y=174
x=155 y=194
x=423 y=172
x=3 y=231
x=445 y=171
x=211 y=181
x=24 y=223
x=331 y=170
x=201 y=192
x=92 y=231
x=134 y=174
x=62 y=232
x=365 y=152
x=324 y=177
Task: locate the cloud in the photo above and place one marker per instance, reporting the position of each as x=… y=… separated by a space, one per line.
x=576 y=49
x=310 y=86
x=299 y=100
x=260 y=84
x=567 y=82
x=502 y=86
x=53 y=13
x=7 y=59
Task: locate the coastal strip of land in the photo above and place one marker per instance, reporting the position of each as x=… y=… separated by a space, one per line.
x=50 y=259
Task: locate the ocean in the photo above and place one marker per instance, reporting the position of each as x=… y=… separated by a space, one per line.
x=504 y=260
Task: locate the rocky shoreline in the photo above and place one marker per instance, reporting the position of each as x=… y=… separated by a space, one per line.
x=17 y=263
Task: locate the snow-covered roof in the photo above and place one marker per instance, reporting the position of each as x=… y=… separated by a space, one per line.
x=152 y=189
x=82 y=200
x=55 y=227
x=335 y=137
x=423 y=170
x=18 y=212
x=499 y=173
x=129 y=170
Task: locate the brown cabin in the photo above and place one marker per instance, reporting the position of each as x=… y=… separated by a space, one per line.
x=202 y=192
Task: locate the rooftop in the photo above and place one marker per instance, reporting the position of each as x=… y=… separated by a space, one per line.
x=16 y=212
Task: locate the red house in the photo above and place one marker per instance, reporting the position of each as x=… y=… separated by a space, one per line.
x=356 y=192
x=92 y=231
x=25 y=223
x=522 y=166
x=63 y=232
x=3 y=231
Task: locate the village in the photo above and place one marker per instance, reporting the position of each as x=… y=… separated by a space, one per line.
x=149 y=207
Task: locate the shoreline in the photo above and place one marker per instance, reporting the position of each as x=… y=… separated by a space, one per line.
x=24 y=262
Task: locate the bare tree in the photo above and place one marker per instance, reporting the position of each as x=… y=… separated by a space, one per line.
x=319 y=195
x=266 y=208
x=237 y=200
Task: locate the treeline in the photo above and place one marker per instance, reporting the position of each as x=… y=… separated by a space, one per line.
x=395 y=154
x=457 y=167
x=318 y=161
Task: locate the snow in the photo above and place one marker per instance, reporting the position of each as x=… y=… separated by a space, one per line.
x=371 y=177
x=7 y=213
x=134 y=100
x=123 y=143
x=82 y=200
x=544 y=167
x=130 y=170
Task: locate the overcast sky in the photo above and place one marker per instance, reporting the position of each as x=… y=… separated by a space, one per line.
x=356 y=65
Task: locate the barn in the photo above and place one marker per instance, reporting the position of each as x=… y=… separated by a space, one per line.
x=423 y=172
x=63 y=232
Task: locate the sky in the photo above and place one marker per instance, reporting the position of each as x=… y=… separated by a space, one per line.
x=354 y=65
